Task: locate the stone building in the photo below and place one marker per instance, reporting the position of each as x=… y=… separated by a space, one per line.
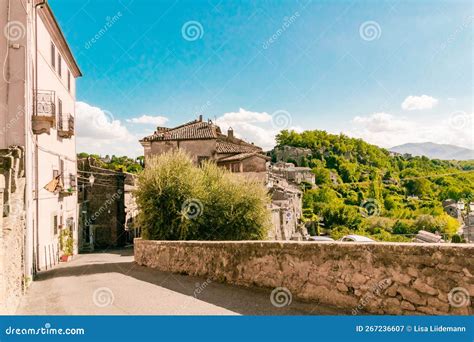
x=13 y=275
x=37 y=110
x=203 y=140
x=101 y=199
x=286 y=209
x=294 y=173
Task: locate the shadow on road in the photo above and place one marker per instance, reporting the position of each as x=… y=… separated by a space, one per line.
x=242 y=300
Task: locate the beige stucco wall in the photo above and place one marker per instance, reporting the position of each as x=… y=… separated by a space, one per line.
x=16 y=106
x=195 y=148
x=379 y=278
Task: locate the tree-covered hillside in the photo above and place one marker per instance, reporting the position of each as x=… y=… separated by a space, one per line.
x=124 y=163
x=365 y=189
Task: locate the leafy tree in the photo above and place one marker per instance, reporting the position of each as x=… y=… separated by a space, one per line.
x=179 y=201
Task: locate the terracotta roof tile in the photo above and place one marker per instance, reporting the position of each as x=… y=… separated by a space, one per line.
x=229 y=147
x=241 y=156
x=190 y=131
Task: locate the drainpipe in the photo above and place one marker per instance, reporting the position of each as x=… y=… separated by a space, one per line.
x=35 y=92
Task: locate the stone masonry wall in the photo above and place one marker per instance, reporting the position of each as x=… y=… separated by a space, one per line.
x=378 y=278
x=12 y=229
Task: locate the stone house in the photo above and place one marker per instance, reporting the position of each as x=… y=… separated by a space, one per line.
x=203 y=140
x=294 y=173
x=107 y=207
x=286 y=209
x=13 y=279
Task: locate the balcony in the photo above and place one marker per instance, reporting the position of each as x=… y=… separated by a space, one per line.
x=65 y=125
x=44 y=113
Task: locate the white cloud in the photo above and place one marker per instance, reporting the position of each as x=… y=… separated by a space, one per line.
x=256 y=127
x=419 y=102
x=386 y=130
x=381 y=122
x=99 y=132
x=149 y=120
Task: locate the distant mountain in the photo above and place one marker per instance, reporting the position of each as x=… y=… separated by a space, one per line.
x=435 y=151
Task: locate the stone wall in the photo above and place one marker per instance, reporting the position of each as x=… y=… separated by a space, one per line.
x=378 y=278
x=12 y=228
x=102 y=208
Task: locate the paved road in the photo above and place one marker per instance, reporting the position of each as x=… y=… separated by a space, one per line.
x=110 y=283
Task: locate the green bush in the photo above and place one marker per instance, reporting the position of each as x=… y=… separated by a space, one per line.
x=179 y=201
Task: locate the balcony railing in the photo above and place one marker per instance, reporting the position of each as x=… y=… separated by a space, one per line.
x=65 y=125
x=44 y=111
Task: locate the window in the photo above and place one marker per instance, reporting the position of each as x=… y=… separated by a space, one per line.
x=59 y=65
x=68 y=80
x=60 y=114
x=55 y=224
x=61 y=171
x=53 y=56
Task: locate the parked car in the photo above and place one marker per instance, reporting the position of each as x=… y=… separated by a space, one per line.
x=356 y=238
x=319 y=238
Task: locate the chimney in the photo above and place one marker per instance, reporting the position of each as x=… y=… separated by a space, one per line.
x=200 y=117
x=230 y=133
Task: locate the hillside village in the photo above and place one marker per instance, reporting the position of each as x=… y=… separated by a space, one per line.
x=56 y=204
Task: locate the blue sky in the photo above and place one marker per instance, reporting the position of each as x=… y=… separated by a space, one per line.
x=390 y=72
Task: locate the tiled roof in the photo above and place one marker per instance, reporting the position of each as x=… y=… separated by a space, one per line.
x=223 y=146
x=190 y=131
x=241 y=156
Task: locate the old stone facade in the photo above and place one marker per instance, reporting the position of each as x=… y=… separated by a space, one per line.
x=13 y=277
x=102 y=206
x=286 y=209
x=203 y=140
x=286 y=153
x=358 y=278
x=294 y=173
